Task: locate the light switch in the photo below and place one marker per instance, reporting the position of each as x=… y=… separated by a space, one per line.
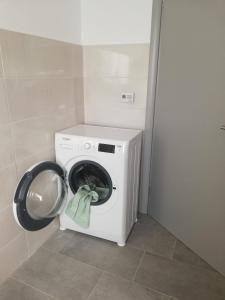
x=127 y=97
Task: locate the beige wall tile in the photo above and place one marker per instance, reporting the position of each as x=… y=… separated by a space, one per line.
x=38 y=97
x=79 y=96
x=36 y=135
x=41 y=92
x=104 y=115
x=24 y=165
x=32 y=136
x=26 y=55
x=12 y=255
x=77 y=61
x=108 y=90
x=8 y=222
x=7 y=186
x=1 y=62
x=6 y=149
x=116 y=60
x=80 y=114
x=4 y=113
x=2 y=32
x=37 y=238
x=64 y=120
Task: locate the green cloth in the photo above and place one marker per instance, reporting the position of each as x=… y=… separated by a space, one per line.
x=79 y=207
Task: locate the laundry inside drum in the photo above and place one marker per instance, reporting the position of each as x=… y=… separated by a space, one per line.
x=93 y=175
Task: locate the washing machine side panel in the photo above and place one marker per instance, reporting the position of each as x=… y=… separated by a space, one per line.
x=134 y=157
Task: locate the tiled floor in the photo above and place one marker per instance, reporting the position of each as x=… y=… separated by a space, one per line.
x=153 y=266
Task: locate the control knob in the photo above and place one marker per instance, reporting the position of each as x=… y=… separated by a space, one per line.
x=87 y=146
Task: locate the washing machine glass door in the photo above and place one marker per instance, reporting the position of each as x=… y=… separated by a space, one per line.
x=40 y=196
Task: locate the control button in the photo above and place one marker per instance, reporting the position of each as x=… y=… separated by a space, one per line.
x=87 y=146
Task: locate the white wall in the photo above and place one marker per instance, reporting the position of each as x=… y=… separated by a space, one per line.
x=115 y=21
x=87 y=22
x=55 y=19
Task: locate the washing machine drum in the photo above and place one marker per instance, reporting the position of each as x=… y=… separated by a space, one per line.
x=95 y=176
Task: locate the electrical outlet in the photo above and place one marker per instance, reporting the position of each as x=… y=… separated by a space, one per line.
x=127 y=97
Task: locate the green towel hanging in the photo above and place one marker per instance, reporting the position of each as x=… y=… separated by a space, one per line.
x=79 y=207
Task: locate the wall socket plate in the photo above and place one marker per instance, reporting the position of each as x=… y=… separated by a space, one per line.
x=128 y=97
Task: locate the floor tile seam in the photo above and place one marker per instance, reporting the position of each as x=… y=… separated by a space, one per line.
x=210 y=268
x=95 y=286
x=139 y=284
x=33 y=287
x=138 y=266
x=173 y=249
x=135 y=247
x=159 y=255
x=76 y=260
x=115 y=275
x=12 y=240
x=187 y=264
x=145 y=286
x=151 y=252
x=155 y=290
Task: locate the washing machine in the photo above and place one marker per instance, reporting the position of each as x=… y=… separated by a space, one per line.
x=103 y=156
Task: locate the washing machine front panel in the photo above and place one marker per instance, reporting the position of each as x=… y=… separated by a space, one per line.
x=109 y=177
x=40 y=196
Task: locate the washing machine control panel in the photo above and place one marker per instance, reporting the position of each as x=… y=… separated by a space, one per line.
x=87 y=146
x=90 y=146
x=69 y=145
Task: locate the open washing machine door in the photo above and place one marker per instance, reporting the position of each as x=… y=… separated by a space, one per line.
x=40 y=196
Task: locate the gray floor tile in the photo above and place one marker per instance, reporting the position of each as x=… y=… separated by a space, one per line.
x=14 y=290
x=144 y=219
x=58 y=275
x=110 y=287
x=184 y=254
x=149 y=235
x=180 y=280
x=61 y=239
x=104 y=255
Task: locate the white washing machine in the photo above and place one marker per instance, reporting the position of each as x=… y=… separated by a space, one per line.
x=107 y=157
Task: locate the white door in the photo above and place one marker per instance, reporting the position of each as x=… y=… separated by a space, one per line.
x=188 y=163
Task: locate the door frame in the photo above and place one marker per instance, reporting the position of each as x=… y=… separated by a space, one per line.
x=157 y=8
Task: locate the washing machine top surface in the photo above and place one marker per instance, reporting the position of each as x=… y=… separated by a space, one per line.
x=108 y=133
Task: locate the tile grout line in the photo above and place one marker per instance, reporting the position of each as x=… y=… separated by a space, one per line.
x=138 y=266
x=133 y=278
x=48 y=114
x=154 y=290
x=173 y=250
x=69 y=257
x=33 y=287
x=40 y=76
x=93 y=289
x=13 y=240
